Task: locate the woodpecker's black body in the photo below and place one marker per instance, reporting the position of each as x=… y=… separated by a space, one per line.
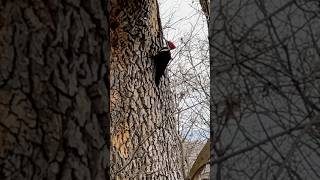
x=161 y=61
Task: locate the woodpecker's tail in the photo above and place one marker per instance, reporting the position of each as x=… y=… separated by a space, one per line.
x=157 y=80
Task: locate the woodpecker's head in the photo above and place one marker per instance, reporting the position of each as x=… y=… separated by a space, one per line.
x=170 y=45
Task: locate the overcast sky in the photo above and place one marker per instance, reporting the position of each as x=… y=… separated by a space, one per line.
x=182 y=19
x=179 y=17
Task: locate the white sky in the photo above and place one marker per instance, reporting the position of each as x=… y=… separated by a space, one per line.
x=179 y=17
x=183 y=20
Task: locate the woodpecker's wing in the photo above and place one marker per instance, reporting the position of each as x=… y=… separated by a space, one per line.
x=161 y=61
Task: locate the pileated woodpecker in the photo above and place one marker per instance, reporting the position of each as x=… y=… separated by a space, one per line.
x=161 y=60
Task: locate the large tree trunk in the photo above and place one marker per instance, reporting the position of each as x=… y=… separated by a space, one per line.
x=143 y=136
x=53 y=98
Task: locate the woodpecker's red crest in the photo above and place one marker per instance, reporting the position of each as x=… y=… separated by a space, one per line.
x=171 y=45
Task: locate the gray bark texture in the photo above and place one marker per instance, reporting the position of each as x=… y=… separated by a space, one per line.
x=53 y=94
x=144 y=144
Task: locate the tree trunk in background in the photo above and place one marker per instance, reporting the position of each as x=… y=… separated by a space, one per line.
x=212 y=15
x=143 y=137
x=53 y=98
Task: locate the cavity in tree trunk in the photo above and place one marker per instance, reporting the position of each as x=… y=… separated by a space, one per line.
x=143 y=138
x=53 y=95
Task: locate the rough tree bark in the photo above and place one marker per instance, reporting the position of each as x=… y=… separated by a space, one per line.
x=53 y=98
x=144 y=144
